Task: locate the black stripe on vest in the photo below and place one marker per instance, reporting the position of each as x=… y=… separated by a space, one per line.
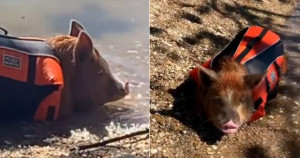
x=277 y=67
x=250 y=45
x=267 y=85
x=31 y=69
x=257 y=103
x=230 y=49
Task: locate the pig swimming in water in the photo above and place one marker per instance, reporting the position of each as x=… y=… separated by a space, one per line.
x=51 y=78
x=88 y=79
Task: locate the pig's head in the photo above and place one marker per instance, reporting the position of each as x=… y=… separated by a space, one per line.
x=92 y=82
x=227 y=101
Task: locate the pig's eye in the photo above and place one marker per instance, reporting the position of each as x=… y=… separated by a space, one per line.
x=243 y=100
x=218 y=100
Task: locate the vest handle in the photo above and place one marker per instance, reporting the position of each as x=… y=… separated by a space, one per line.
x=4 y=30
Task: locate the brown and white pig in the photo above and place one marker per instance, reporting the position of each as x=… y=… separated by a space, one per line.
x=88 y=79
x=225 y=96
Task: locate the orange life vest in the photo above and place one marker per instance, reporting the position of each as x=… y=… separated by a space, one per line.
x=31 y=78
x=260 y=50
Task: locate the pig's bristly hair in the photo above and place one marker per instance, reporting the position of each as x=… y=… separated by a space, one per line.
x=231 y=75
x=63 y=46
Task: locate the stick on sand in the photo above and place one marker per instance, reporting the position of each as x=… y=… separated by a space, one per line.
x=103 y=143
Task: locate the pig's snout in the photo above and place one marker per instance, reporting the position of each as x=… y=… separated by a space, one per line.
x=229 y=128
x=120 y=91
x=123 y=87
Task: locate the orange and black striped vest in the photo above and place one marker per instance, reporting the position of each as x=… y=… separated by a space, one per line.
x=260 y=50
x=31 y=79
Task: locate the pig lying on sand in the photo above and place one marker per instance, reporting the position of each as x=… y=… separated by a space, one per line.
x=225 y=95
x=233 y=87
x=88 y=80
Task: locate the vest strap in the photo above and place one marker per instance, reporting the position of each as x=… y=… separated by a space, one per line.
x=4 y=30
x=250 y=45
x=31 y=69
x=277 y=67
x=257 y=103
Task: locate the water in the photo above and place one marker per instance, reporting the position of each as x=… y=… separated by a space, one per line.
x=120 y=31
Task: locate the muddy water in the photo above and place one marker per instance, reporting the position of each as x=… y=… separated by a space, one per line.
x=120 y=30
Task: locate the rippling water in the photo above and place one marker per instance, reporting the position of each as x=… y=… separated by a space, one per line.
x=119 y=28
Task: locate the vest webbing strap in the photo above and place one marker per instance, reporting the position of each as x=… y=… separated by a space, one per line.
x=267 y=85
x=250 y=45
x=257 y=103
x=4 y=31
x=277 y=69
x=31 y=69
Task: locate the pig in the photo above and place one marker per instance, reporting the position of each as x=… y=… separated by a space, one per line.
x=88 y=81
x=225 y=96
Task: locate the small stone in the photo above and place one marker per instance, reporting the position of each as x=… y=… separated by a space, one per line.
x=154 y=151
x=271 y=116
x=281 y=110
x=161 y=135
x=284 y=97
x=133 y=153
x=184 y=132
x=295 y=122
x=214 y=147
x=293 y=115
x=210 y=152
x=153 y=120
x=209 y=149
x=297 y=103
x=84 y=155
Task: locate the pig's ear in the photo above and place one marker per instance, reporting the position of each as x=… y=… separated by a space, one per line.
x=207 y=76
x=75 y=28
x=254 y=79
x=83 y=48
